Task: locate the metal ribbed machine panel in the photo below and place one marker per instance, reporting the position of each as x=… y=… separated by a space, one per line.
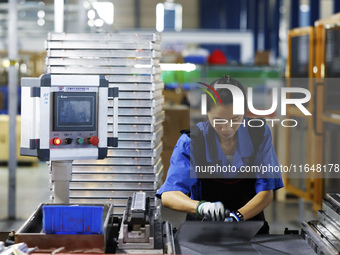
x=131 y=63
x=323 y=234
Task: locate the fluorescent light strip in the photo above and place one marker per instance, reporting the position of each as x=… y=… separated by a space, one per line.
x=160 y=17
x=172 y=67
x=178 y=67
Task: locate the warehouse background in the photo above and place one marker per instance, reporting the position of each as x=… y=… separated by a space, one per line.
x=265 y=23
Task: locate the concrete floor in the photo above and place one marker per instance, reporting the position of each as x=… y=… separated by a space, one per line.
x=33 y=189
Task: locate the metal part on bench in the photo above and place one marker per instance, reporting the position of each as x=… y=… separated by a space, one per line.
x=196 y=238
x=259 y=245
x=334 y=198
x=313 y=238
x=168 y=238
x=137 y=229
x=323 y=235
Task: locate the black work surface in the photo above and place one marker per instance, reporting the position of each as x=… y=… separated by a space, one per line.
x=260 y=244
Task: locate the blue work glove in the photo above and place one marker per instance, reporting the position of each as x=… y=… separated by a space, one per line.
x=210 y=211
x=234 y=216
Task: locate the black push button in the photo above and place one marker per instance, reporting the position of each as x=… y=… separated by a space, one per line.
x=68 y=140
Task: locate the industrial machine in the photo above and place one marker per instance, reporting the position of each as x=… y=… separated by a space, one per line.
x=323 y=234
x=138 y=225
x=130 y=61
x=64 y=118
x=140 y=231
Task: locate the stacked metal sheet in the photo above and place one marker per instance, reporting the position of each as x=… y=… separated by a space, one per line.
x=131 y=63
x=323 y=234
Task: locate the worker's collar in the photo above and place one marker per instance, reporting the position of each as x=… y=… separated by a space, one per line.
x=244 y=148
x=213 y=150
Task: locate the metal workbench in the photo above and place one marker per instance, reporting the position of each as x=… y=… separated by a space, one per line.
x=260 y=244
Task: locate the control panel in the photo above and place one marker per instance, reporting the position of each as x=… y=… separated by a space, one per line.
x=65 y=117
x=74 y=119
x=74 y=140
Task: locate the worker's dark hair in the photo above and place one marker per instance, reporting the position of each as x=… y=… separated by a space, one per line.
x=225 y=94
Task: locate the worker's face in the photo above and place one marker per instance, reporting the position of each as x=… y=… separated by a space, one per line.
x=224 y=114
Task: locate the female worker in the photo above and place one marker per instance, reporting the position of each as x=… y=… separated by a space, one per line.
x=207 y=195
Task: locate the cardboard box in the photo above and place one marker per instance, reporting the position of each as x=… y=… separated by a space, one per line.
x=176 y=119
x=173 y=97
x=262 y=58
x=4 y=140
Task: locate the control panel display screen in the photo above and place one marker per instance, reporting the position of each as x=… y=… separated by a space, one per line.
x=74 y=111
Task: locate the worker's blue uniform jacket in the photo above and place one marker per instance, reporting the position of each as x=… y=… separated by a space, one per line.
x=178 y=178
x=235 y=193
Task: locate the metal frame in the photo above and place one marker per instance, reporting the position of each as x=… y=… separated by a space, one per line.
x=103 y=70
x=100 y=62
x=139 y=103
x=293 y=111
x=101 y=45
x=85 y=168
x=104 y=53
x=131 y=37
x=131 y=63
x=40 y=106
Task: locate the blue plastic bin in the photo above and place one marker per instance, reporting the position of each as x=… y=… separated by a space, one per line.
x=72 y=219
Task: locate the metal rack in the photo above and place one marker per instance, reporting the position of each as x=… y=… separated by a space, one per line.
x=327 y=110
x=300 y=146
x=131 y=63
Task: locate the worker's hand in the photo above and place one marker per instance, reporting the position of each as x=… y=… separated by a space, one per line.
x=234 y=216
x=211 y=211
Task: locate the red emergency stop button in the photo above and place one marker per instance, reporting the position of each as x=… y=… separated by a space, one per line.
x=94 y=140
x=56 y=141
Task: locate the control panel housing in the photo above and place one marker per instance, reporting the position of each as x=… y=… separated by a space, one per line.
x=65 y=117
